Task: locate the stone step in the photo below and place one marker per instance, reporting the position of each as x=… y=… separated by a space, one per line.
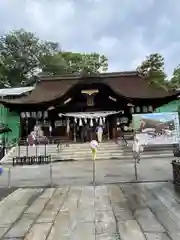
x=82 y=152
x=86 y=148
x=80 y=158
x=88 y=156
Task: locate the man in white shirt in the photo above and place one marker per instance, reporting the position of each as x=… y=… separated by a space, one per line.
x=99 y=131
x=137 y=149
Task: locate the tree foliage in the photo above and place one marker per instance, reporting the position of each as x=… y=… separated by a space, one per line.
x=69 y=62
x=152 y=68
x=23 y=56
x=175 y=80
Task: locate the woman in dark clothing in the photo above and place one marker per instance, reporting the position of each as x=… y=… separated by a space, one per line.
x=120 y=134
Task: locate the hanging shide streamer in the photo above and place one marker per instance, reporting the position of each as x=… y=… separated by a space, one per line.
x=80 y=122
x=91 y=123
x=100 y=121
x=68 y=125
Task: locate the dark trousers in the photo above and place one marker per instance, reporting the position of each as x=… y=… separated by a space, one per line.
x=124 y=140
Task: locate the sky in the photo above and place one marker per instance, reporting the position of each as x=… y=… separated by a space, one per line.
x=125 y=31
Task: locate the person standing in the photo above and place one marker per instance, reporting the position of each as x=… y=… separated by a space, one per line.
x=94 y=148
x=137 y=149
x=121 y=135
x=99 y=132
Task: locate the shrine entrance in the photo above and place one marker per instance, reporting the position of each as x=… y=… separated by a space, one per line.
x=77 y=114
x=81 y=127
x=84 y=107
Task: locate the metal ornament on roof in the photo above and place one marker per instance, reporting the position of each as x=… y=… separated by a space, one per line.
x=145 y=109
x=45 y=114
x=138 y=109
x=27 y=115
x=39 y=114
x=85 y=120
x=33 y=114
x=150 y=108
x=23 y=115
x=131 y=109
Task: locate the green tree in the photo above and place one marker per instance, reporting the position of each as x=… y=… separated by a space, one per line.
x=69 y=62
x=152 y=68
x=175 y=80
x=21 y=55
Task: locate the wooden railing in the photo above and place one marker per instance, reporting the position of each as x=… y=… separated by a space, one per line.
x=30 y=160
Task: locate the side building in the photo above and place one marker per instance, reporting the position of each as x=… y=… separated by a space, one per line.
x=68 y=105
x=9 y=117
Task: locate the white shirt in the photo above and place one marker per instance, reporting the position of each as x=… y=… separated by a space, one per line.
x=137 y=147
x=99 y=129
x=94 y=144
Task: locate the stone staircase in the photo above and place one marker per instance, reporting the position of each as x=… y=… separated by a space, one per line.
x=81 y=151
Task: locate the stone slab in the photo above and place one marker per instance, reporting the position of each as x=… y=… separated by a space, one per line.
x=53 y=206
x=20 y=229
x=129 y=230
x=157 y=236
x=148 y=221
x=39 y=231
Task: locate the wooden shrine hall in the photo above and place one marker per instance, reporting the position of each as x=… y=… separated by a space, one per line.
x=70 y=105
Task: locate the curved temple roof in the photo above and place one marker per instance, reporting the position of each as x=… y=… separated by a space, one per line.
x=128 y=84
x=15 y=91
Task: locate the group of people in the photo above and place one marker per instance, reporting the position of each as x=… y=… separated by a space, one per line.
x=137 y=148
x=119 y=134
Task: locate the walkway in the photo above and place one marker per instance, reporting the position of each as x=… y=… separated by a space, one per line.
x=125 y=211
x=80 y=172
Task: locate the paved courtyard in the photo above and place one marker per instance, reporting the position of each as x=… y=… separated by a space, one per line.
x=80 y=172
x=107 y=212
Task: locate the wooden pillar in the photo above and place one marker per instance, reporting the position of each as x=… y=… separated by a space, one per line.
x=108 y=129
x=74 y=132
x=114 y=132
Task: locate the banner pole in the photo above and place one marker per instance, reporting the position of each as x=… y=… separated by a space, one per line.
x=94 y=178
x=9 y=177
x=135 y=169
x=50 y=172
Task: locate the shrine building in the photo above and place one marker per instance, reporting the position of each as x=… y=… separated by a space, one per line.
x=64 y=105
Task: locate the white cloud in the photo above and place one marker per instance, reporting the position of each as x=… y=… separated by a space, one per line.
x=125 y=31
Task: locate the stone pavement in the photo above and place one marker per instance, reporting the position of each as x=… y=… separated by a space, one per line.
x=107 y=212
x=80 y=172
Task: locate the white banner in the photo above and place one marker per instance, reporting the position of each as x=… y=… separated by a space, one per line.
x=157 y=128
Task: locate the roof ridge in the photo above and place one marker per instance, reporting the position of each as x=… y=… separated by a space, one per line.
x=91 y=75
